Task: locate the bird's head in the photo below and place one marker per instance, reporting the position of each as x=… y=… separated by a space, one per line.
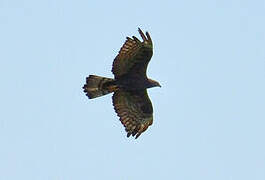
x=153 y=83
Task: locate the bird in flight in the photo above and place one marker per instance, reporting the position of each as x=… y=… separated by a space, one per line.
x=130 y=98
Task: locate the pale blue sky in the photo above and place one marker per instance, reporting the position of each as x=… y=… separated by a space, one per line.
x=209 y=115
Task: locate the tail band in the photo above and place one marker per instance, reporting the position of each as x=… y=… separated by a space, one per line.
x=98 y=86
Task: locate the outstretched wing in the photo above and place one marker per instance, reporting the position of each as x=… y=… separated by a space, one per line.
x=134 y=56
x=134 y=109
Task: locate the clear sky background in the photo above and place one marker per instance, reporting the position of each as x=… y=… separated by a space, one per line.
x=209 y=115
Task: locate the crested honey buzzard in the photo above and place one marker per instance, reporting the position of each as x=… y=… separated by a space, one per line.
x=130 y=98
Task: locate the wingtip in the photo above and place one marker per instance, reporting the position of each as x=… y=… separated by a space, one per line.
x=128 y=134
x=136 y=39
x=146 y=36
x=142 y=34
x=137 y=135
x=140 y=30
x=128 y=38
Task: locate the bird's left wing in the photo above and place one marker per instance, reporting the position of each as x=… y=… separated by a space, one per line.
x=134 y=109
x=133 y=56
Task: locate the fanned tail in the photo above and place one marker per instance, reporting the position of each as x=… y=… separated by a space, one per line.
x=98 y=86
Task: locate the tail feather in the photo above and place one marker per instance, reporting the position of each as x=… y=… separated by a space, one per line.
x=98 y=86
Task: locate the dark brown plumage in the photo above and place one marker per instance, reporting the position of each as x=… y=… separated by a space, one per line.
x=130 y=98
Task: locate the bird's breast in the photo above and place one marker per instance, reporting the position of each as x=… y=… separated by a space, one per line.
x=132 y=83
